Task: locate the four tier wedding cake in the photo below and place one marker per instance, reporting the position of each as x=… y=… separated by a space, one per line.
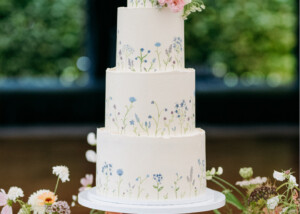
x=150 y=151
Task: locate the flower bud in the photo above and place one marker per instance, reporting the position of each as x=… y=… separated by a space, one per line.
x=246 y=172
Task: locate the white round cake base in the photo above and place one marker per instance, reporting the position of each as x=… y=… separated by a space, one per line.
x=89 y=199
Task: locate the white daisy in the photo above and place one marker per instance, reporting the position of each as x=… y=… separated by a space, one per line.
x=36 y=204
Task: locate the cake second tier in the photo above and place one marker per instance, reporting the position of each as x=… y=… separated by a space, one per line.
x=149 y=40
x=150 y=104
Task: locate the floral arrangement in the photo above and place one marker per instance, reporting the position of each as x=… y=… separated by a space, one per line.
x=260 y=195
x=41 y=202
x=187 y=6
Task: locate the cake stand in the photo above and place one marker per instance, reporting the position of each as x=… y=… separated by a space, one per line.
x=212 y=200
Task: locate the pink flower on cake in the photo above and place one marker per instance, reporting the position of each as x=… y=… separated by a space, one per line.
x=7 y=209
x=176 y=5
x=86 y=182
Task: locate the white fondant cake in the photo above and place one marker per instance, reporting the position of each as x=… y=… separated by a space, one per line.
x=150 y=151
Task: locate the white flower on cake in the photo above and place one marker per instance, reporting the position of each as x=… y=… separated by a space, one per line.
x=272 y=202
x=91 y=139
x=14 y=193
x=279 y=176
x=62 y=172
x=91 y=156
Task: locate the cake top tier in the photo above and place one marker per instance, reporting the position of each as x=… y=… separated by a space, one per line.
x=142 y=3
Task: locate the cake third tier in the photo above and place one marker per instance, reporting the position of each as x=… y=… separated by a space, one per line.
x=150 y=40
x=150 y=104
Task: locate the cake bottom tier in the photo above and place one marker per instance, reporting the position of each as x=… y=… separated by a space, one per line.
x=150 y=169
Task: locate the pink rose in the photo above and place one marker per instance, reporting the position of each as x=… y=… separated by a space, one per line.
x=176 y=5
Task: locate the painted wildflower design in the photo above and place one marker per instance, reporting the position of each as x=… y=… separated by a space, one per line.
x=107 y=171
x=120 y=120
x=142 y=3
x=119 y=173
x=158 y=178
x=190 y=179
x=124 y=54
x=113 y=183
x=201 y=175
x=141 y=181
x=152 y=59
x=158 y=52
x=176 y=185
x=162 y=121
x=130 y=189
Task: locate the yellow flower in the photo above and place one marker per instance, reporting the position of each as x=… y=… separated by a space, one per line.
x=47 y=198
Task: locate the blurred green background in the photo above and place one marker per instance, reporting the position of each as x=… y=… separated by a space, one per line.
x=252 y=42
x=248 y=42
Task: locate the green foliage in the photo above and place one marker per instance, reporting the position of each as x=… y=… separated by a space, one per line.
x=40 y=37
x=249 y=40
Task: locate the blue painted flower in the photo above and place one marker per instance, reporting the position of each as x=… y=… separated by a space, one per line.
x=148 y=176
x=149 y=51
x=182 y=103
x=177 y=106
x=120 y=172
x=152 y=102
x=132 y=122
x=199 y=161
x=150 y=117
x=145 y=61
x=142 y=49
x=154 y=60
x=157 y=177
x=157 y=44
x=132 y=99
